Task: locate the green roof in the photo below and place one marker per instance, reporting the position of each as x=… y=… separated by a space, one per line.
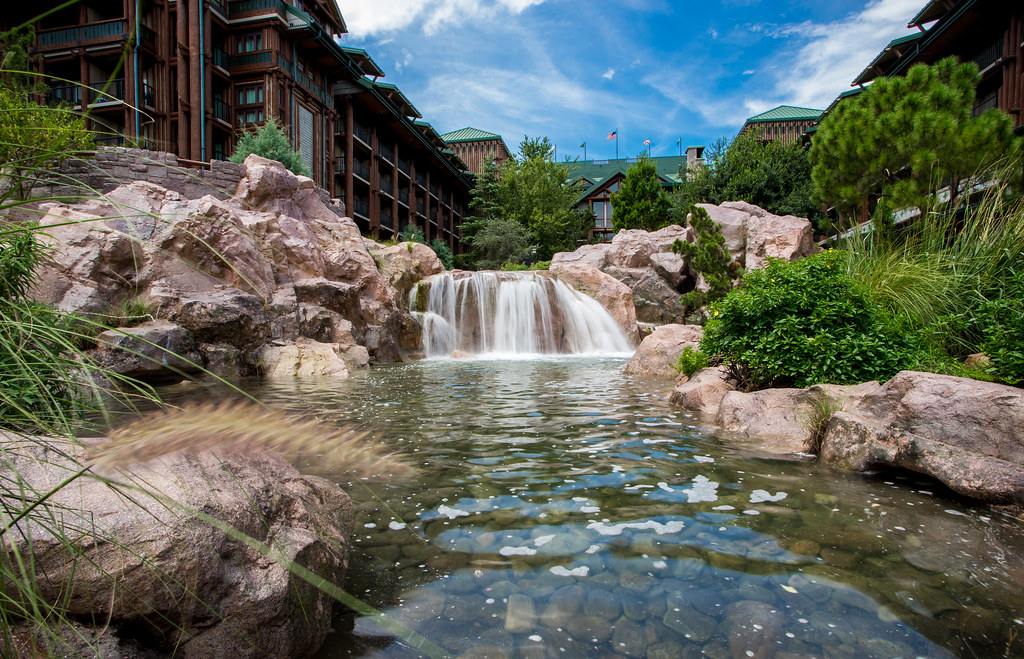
x=396 y=96
x=598 y=172
x=469 y=135
x=892 y=53
x=363 y=61
x=786 y=113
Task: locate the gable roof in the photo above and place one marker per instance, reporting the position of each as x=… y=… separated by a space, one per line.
x=469 y=135
x=786 y=113
x=595 y=174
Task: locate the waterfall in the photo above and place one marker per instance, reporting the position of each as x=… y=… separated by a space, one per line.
x=511 y=314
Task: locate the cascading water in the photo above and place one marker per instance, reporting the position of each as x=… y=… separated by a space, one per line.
x=511 y=313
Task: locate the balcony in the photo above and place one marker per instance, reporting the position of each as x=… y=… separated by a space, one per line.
x=293 y=16
x=107 y=91
x=249 y=59
x=148 y=36
x=989 y=56
x=421 y=208
x=404 y=166
x=70 y=94
x=221 y=110
x=361 y=207
x=403 y=196
x=362 y=170
x=148 y=95
x=990 y=102
x=71 y=37
x=387 y=188
x=421 y=180
x=219 y=58
x=386 y=220
x=433 y=217
x=433 y=190
x=362 y=133
x=386 y=153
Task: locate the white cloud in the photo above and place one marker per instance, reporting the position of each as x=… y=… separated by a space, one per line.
x=367 y=19
x=713 y=33
x=609 y=74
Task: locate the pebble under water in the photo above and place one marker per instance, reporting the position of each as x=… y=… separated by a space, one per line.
x=566 y=510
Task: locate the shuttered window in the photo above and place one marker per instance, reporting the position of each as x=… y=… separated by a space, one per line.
x=306 y=137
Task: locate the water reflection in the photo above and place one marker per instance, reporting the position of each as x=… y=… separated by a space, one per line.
x=567 y=510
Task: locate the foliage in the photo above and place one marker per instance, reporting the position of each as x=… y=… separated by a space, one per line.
x=807 y=322
x=129 y=311
x=16 y=59
x=708 y=256
x=899 y=142
x=443 y=252
x=31 y=136
x=772 y=175
x=269 y=141
x=525 y=207
x=540 y=265
x=691 y=360
x=822 y=407
x=641 y=202
x=412 y=233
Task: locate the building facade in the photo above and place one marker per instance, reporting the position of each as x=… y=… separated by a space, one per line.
x=186 y=76
x=476 y=147
x=785 y=124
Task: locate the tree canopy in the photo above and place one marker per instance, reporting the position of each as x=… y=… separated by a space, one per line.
x=772 y=175
x=896 y=144
x=527 y=206
x=641 y=202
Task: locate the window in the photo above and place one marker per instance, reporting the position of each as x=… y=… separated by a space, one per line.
x=249 y=95
x=249 y=43
x=602 y=215
x=253 y=116
x=614 y=187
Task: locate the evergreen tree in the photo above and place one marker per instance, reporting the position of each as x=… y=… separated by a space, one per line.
x=905 y=138
x=641 y=202
x=16 y=59
x=269 y=141
x=708 y=256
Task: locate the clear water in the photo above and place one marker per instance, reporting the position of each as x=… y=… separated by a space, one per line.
x=566 y=510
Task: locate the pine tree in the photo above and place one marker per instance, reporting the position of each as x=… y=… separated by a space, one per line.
x=269 y=141
x=708 y=256
x=641 y=202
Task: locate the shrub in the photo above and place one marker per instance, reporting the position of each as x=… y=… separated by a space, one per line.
x=412 y=234
x=269 y=141
x=709 y=257
x=808 y=322
x=1001 y=324
x=691 y=360
x=443 y=252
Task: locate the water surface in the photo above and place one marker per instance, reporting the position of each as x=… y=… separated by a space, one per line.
x=566 y=510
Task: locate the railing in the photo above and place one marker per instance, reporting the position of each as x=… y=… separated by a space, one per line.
x=421 y=208
x=404 y=166
x=219 y=58
x=221 y=5
x=421 y=179
x=362 y=133
x=263 y=57
x=71 y=35
x=148 y=95
x=109 y=140
x=221 y=110
x=361 y=207
x=403 y=196
x=601 y=223
x=990 y=55
x=433 y=190
x=108 y=90
x=386 y=187
x=70 y=94
x=433 y=217
x=286 y=64
x=361 y=170
x=386 y=220
x=148 y=35
x=986 y=104
x=386 y=153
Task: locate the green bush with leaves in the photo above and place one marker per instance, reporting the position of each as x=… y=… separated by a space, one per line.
x=269 y=141
x=804 y=323
x=443 y=252
x=1000 y=321
x=708 y=256
x=691 y=360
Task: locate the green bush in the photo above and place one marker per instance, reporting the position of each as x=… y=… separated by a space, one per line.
x=709 y=257
x=1001 y=324
x=412 y=234
x=691 y=360
x=808 y=322
x=269 y=141
x=443 y=252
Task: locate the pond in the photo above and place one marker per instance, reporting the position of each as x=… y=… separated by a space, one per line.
x=566 y=510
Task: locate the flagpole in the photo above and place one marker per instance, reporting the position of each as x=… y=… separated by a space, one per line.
x=616 y=143
x=679 y=143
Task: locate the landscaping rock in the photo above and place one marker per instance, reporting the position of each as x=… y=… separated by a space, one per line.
x=156 y=351
x=659 y=352
x=612 y=294
x=703 y=392
x=304 y=358
x=171 y=578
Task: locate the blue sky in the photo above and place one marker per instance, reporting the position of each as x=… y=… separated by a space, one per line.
x=651 y=69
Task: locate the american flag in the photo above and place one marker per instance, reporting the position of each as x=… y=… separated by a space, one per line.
x=647 y=142
x=612 y=135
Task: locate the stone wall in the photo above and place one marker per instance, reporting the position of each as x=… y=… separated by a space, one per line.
x=115 y=166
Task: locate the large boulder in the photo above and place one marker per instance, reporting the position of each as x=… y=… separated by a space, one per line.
x=612 y=294
x=966 y=433
x=234 y=272
x=659 y=352
x=702 y=393
x=304 y=358
x=147 y=567
x=752 y=234
x=154 y=351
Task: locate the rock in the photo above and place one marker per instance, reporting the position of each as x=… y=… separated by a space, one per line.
x=786 y=237
x=613 y=295
x=683 y=619
x=656 y=301
x=519 y=616
x=155 y=351
x=164 y=575
x=977 y=360
x=780 y=420
x=304 y=358
x=226 y=270
x=405 y=264
x=658 y=353
x=966 y=433
x=754 y=629
x=703 y=392
x=629 y=638
x=733 y=224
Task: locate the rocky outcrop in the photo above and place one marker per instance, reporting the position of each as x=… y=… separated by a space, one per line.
x=966 y=433
x=644 y=260
x=151 y=569
x=276 y=263
x=659 y=352
x=612 y=294
x=154 y=351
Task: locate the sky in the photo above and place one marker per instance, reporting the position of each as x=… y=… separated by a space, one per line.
x=677 y=73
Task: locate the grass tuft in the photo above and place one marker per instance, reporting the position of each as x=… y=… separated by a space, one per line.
x=243 y=427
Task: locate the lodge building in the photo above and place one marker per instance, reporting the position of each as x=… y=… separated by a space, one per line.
x=186 y=76
x=476 y=147
x=784 y=124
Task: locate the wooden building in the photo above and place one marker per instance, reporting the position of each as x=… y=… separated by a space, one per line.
x=785 y=124
x=989 y=33
x=476 y=147
x=186 y=76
